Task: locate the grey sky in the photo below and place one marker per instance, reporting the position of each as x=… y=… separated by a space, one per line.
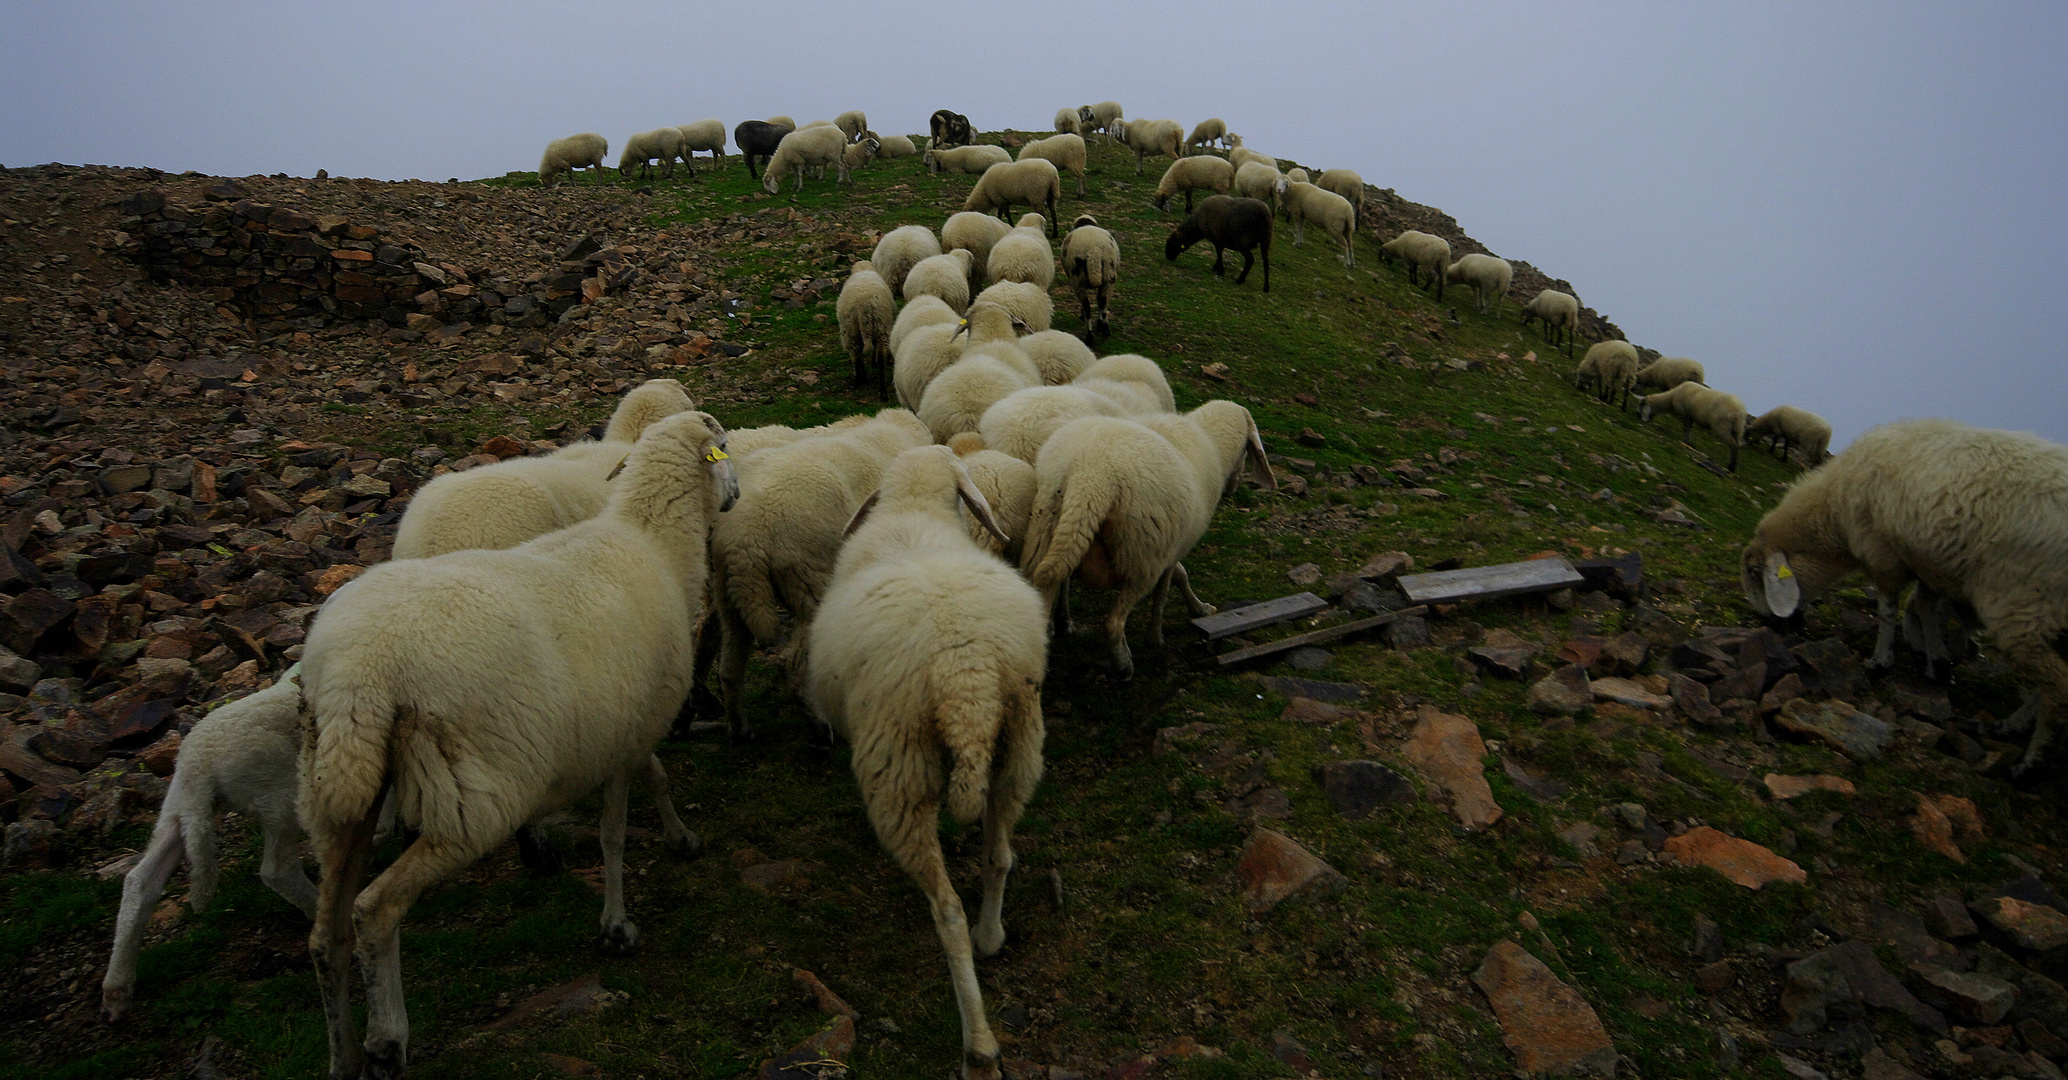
x=1848 y=207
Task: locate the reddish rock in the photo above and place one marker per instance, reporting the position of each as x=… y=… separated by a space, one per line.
x=1273 y=868
x=503 y=447
x=335 y=577
x=1302 y=710
x=1742 y=861
x=160 y=756
x=2033 y=926
x=1547 y=1025
x=1447 y=751
x=1583 y=651
x=823 y=996
x=1693 y=699
x=1790 y=787
x=573 y=998
x=1942 y=818
x=1783 y=692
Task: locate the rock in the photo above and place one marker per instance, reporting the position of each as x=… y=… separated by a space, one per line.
x=2036 y=927
x=1584 y=651
x=1877 y=1065
x=2042 y=1041
x=1942 y=818
x=1407 y=633
x=1274 y=868
x=1948 y=918
x=1791 y=787
x=1509 y=663
x=1308 y=659
x=1839 y=725
x=1582 y=836
x=1847 y=973
x=1304 y=574
x=1632 y=851
x=1714 y=978
x=1788 y=689
x=1564 y=692
x=1632 y=815
x=1627 y=692
x=822 y=996
x=1313 y=688
x=1624 y=653
x=1303 y=710
x=1800 y=1069
x=1547 y=1025
x=1838 y=673
x=335 y=577
x=1538 y=787
x=28 y=844
x=1693 y=700
x=1745 y=684
x=1968 y=996
x=820 y=1055
x=1386 y=566
x=1914 y=945
x=1357 y=789
x=1742 y=861
x=779 y=873
x=1265 y=803
x=1708 y=940
x=1447 y=750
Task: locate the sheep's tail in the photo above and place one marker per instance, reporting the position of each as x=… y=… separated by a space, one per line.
x=750 y=588
x=969 y=718
x=1064 y=523
x=347 y=746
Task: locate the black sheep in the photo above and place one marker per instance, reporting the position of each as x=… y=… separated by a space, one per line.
x=950 y=129
x=1226 y=221
x=758 y=138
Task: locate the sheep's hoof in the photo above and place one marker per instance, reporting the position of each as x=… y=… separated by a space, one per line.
x=976 y=1066
x=988 y=942
x=384 y=1061
x=686 y=844
x=618 y=940
x=114 y=1005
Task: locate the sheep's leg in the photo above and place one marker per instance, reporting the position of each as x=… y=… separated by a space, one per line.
x=1131 y=593
x=1221 y=264
x=342 y=861
x=908 y=825
x=281 y=865
x=1687 y=429
x=1733 y=466
x=1885 y=637
x=1249 y=259
x=732 y=669
x=619 y=935
x=1157 y=597
x=1015 y=769
x=1199 y=608
x=377 y=923
x=1299 y=231
x=2037 y=658
x=1059 y=610
x=702 y=703
x=673 y=832
x=141 y=888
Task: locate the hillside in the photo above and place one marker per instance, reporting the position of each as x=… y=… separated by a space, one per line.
x=189 y=468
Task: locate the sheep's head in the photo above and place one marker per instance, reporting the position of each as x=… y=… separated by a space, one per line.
x=1778 y=584
x=1176 y=244
x=928 y=473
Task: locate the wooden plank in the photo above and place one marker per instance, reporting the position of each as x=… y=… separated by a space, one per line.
x=1221 y=624
x=1316 y=637
x=1487 y=582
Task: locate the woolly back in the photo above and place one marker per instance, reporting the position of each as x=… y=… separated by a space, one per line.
x=645 y=404
x=1137 y=369
x=675 y=478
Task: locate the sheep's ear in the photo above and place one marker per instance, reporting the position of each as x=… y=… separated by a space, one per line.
x=1259 y=461
x=1020 y=326
x=1783 y=588
x=978 y=505
x=961 y=328
x=861 y=514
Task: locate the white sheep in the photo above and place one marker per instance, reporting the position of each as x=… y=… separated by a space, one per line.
x=899 y=251
x=1101 y=117
x=786 y=121
x=1091 y=260
x=1793 y=428
x=1059 y=355
x=1119 y=503
x=1069 y=123
x=1239 y=155
x=584 y=151
x=1296 y=175
x=1207 y=132
x=1723 y=414
x=974 y=232
x=1424 y=254
x=1560 y=312
x=866 y=312
x=1668 y=372
x=1344 y=182
x=485 y=688
x=1610 y=367
x=1487 y=276
x=852 y=123
x=1330 y=213
x=895 y=146
x=1023 y=254
x=929 y=350
x=921 y=311
x=505 y=504
x=1019 y=424
x=775 y=548
x=1008 y=486
x=1033 y=183
x=965 y=159
x=945 y=276
x=1190 y=174
x=1136 y=370
x=1065 y=152
x=1972 y=514
x=1028 y=302
x=1256 y=180
x=1165 y=138
x=806 y=148
x=660 y=144
x=859 y=154
x=928 y=658
x=954 y=402
x=707 y=134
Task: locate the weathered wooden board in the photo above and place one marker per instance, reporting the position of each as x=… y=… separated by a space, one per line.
x=1487 y=582
x=1316 y=637
x=1223 y=623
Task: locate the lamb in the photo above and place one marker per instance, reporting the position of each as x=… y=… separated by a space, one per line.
x=1029 y=303
x=1058 y=354
x=899 y=251
x=584 y=151
x=975 y=232
x=964 y=159
x=1033 y=183
x=1119 y=503
x=759 y=139
x=921 y=311
x=853 y=123
x=1022 y=255
x=484 y=688
x=1344 y=182
x=1066 y=152
x=1560 y=312
x=1973 y=515
x=1723 y=414
x=1424 y=254
x=1487 y=276
x=778 y=544
x=1256 y=180
x=1205 y=133
x=954 y=402
x=895 y=146
x=1191 y=174
x=1069 y=123
x=1793 y=428
x=1609 y=367
x=806 y=148
x=945 y=276
x=1091 y=260
x=1227 y=222
x=505 y=504
x=928 y=658
x=866 y=312
x=1668 y=372
x=1101 y=117
x=929 y=350
x=662 y=144
x=859 y=154
x=1146 y=137
x=950 y=128
x=1330 y=212
x=707 y=134
x=1238 y=155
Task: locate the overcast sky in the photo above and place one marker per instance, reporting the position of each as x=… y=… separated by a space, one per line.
x=1854 y=208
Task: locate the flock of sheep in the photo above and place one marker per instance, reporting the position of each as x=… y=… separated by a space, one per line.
x=544 y=620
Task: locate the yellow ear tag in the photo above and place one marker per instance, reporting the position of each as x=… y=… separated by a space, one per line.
x=964 y=322
x=716 y=455
x=1784 y=573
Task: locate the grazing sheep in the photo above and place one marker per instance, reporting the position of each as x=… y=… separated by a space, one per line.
x=1091 y=260
x=945 y=275
x=787 y=121
x=1152 y=137
x=859 y=154
x=1205 y=133
x=1256 y=180
x=1007 y=484
x=1189 y=174
x=1425 y=255
x=660 y=144
x=778 y=544
x=1059 y=355
x=929 y=350
x=1119 y=503
x=1330 y=212
x=1608 y=368
x=929 y=659
x=1033 y=183
x=759 y=139
x=921 y=311
x=1344 y=182
x=1296 y=175
x=1069 y=123
x=1227 y=222
x=1668 y=372
x=1029 y=303
x=1487 y=276
x=866 y=312
x=950 y=128
x=1022 y=255
x=974 y=232
x=805 y=148
x=704 y=134
x=1793 y=428
x=899 y=251
x=584 y=151
x=1066 y=152
x=964 y=159
x=1238 y=155
x=1723 y=414
x=481 y=689
x=852 y=123
x=1560 y=312
x=895 y=146
x=1973 y=515
x=955 y=400
x=1101 y=117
